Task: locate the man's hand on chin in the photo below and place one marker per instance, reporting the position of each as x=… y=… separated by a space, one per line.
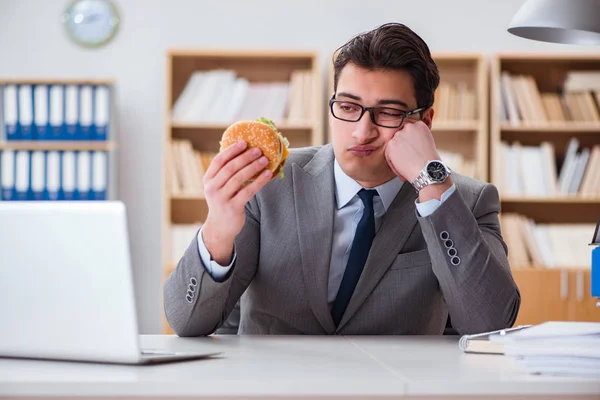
x=409 y=151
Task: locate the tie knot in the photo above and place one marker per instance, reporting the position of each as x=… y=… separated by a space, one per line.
x=366 y=195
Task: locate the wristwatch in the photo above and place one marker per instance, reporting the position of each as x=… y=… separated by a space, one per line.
x=435 y=172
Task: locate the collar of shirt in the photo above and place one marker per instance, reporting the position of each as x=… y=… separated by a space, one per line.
x=346 y=188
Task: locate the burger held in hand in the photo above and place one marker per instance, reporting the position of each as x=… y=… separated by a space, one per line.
x=263 y=134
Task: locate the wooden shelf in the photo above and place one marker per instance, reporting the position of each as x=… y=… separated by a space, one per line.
x=566 y=200
x=256 y=67
x=537 y=268
x=548 y=71
x=59 y=145
x=57 y=81
x=240 y=54
x=554 y=211
x=558 y=294
x=221 y=127
x=555 y=127
x=188 y=197
x=455 y=125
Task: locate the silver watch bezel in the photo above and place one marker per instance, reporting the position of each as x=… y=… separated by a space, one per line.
x=423 y=179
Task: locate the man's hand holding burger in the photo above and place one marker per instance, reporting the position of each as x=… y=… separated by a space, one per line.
x=252 y=154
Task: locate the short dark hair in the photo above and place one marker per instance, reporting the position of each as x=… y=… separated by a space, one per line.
x=392 y=46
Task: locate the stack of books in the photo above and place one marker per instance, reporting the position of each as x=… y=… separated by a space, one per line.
x=555 y=348
x=538 y=245
x=220 y=96
x=522 y=102
x=519 y=168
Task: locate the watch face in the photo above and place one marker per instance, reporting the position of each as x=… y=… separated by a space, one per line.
x=437 y=171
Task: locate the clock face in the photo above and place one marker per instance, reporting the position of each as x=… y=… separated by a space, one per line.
x=437 y=171
x=91 y=23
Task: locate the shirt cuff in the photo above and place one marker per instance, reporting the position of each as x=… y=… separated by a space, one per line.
x=427 y=208
x=216 y=270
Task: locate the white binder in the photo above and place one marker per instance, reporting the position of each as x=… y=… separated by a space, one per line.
x=56 y=112
x=86 y=112
x=68 y=169
x=25 y=112
x=71 y=112
x=38 y=178
x=52 y=175
x=99 y=175
x=83 y=175
x=7 y=174
x=40 y=110
x=22 y=175
x=101 y=113
x=11 y=115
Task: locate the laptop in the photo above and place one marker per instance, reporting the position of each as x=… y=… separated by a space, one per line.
x=66 y=286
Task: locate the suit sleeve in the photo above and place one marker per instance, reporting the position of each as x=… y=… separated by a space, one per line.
x=469 y=259
x=195 y=303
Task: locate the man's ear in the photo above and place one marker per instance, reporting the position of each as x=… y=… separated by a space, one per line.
x=428 y=117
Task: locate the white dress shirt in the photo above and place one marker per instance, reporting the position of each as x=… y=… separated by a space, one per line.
x=349 y=210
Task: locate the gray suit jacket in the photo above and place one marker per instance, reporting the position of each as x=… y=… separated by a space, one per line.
x=409 y=283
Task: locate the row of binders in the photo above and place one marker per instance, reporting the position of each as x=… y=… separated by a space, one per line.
x=531 y=171
x=521 y=101
x=534 y=245
x=55 y=112
x=221 y=97
x=53 y=175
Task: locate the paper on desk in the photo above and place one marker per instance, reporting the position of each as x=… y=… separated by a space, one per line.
x=549 y=330
x=567 y=366
x=588 y=347
x=556 y=348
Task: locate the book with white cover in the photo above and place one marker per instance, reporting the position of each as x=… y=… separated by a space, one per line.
x=552 y=330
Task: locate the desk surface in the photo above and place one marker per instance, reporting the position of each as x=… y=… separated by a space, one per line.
x=302 y=367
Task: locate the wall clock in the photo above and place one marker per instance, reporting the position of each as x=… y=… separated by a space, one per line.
x=91 y=23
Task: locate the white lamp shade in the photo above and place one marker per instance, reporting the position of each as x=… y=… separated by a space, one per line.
x=558 y=21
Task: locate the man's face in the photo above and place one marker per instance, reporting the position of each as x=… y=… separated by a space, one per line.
x=359 y=147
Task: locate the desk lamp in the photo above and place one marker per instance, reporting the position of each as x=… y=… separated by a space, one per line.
x=567 y=22
x=558 y=21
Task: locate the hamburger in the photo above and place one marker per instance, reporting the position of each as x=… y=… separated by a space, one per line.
x=261 y=133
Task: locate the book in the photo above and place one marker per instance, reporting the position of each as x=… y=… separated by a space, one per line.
x=565 y=348
x=479 y=343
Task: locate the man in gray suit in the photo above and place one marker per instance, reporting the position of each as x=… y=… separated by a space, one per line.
x=371 y=234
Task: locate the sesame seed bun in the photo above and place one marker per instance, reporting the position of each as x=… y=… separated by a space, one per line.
x=262 y=135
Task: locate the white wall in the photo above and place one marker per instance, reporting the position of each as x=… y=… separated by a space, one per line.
x=33 y=43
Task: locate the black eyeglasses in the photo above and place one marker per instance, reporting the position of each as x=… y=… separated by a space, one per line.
x=386 y=117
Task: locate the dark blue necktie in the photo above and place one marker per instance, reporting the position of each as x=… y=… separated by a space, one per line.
x=363 y=238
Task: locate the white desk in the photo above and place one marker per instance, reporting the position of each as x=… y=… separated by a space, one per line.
x=298 y=367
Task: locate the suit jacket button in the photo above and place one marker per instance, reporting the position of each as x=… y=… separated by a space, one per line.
x=444 y=235
x=449 y=243
x=193 y=281
x=189 y=299
x=452 y=252
x=455 y=260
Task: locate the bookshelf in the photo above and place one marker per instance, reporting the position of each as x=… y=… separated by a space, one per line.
x=544 y=127
x=460 y=125
x=57 y=139
x=284 y=86
x=461 y=112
